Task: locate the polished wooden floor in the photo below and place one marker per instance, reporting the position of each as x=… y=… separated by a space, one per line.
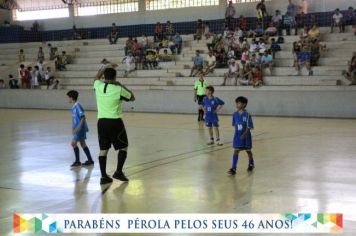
x=302 y=165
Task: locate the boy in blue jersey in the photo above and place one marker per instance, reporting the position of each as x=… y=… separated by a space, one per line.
x=242 y=121
x=212 y=105
x=80 y=128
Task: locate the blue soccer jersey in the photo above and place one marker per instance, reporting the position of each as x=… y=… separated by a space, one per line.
x=77 y=114
x=210 y=105
x=241 y=122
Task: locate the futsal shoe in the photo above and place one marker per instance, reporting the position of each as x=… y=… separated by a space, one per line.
x=232 y=172
x=250 y=167
x=88 y=163
x=120 y=176
x=105 y=180
x=219 y=143
x=210 y=143
x=76 y=164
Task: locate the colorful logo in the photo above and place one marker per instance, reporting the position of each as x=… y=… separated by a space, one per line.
x=34 y=223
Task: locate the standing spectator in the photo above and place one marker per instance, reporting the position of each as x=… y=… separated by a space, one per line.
x=350 y=16
x=200 y=30
x=288 y=23
x=13 y=83
x=114 y=34
x=207 y=33
x=292 y=9
x=198 y=64
x=233 y=73
x=158 y=34
x=303 y=6
x=178 y=42
x=230 y=15
x=337 y=21
x=128 y=46
x=261 y=12
x=35 y=78
x=313 y=20
x=277 y=21
x=40 y=54
x=210 y=63
x=243 y=24
x=25 y=77
x=21 y=56
x=169 y=29
x=76 y=34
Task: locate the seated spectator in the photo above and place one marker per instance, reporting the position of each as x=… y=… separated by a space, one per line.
x=128 y=45
x=52 y=52
x=267 y=61
x=41 y=70
x=277 y=22
x=169 y=29
x=288 y=22
x=254 y=61
x=254 y=46
x=246 y=75
x=337 y=21
x=21 y=56
x=210 y=63
x=259 y=31
x=271 y=30
x=13 y=83
x=40 y=54
x=2 y=84
x=114 y=34
x=275 y=47
x=199 y=31
x=238 y=34
x=135 y=48
x=151 y=60
x=103 y=64
x=165 y=57
x=144 y=42
x=257 y=80
x=304 y=33
x=350 y=17
x=261 y=47
x=227 y=34
x=233 y=72
x=55 y=85
x=158 y=33
x=178 y=42
x=25 y=77
x=62 y=61
x=301 y=21
x=244 y=57
x=350 y=74
x=49 y=77
x=165 y=42
x=198 y=64
x=304 y=58
x=315 y=52
x=297 y=48
x=243 y=24
x=214 y=41
x=129 y=61
x=220 y=54
x=314 y=33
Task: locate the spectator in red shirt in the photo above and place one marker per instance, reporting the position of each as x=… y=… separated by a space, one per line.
x=158 y=36
x=25 y=77
x=243 y=25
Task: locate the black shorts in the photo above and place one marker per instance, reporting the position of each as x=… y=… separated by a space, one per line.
x=112 y=131
x=200 y=99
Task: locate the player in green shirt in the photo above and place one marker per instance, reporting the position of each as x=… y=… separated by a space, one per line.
x=111 y=129
x=199 y=94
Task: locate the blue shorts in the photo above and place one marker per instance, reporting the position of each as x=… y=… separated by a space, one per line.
x=81 y=135
x=245 y=144
x=214 y=123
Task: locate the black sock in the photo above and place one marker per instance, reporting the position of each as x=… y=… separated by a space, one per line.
x=121 y=158
x=202 y=114
x=76 y=152
x=87 y=152
x=102 y=163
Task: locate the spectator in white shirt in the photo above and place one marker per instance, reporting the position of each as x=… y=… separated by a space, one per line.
x=233 y=73
x=277 y=21
x=337 y=21
x=303 y=6
x=49 y=77
x=210 y=63
x=230 y=14
x=144 y=42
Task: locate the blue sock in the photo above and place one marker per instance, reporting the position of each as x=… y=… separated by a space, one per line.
x=251 y=162
x=235 y=158
x=76 y=152
x=87 y=152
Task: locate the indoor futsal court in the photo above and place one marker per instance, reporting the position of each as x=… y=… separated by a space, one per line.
x=171 y=170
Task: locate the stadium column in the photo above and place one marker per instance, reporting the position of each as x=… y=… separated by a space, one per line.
x=71 y=13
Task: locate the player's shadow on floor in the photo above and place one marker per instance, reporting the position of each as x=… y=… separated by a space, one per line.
x=81 y=183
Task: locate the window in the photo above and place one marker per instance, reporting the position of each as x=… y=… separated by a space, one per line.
x=152 y=5
x=108 y=7
x=22 y=15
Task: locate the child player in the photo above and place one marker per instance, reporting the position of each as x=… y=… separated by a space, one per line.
x=80 y=128
x=242 y=121
x=212 y=105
